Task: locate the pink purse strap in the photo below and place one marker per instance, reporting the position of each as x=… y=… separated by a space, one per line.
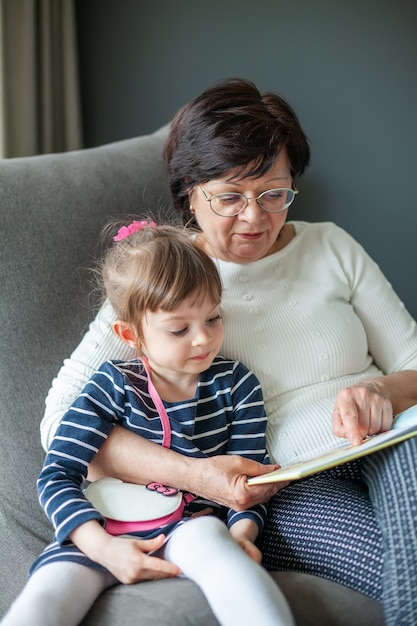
x=166 y=427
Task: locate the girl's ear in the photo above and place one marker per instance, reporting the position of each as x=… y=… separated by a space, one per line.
x=126 y=333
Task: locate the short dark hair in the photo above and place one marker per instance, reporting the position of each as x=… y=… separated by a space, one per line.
x=231 y=126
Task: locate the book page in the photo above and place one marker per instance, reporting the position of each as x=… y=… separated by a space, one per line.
x=404 y=427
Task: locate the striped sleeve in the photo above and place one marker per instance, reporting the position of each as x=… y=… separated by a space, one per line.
x=248 y=433
x=82 y=431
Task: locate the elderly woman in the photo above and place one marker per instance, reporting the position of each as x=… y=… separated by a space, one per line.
x=312 y=315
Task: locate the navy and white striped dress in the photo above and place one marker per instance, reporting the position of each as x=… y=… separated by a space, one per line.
x=226 y=416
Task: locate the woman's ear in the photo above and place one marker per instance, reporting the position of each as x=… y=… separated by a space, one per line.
x=126 y=333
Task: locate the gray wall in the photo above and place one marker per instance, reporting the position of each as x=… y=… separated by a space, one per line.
x=348 y=67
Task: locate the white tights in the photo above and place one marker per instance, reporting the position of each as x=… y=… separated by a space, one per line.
x=238 y=590
x=58 y=594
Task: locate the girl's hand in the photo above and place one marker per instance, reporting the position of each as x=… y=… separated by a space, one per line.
x=244 y=532
x=250 y=549
x=361 y=410
x=126 y=558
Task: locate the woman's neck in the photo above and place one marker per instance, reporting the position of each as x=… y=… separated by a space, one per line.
x=285 y=235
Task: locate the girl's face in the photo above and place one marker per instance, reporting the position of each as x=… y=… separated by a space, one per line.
x=183 y=341
x=253 y=233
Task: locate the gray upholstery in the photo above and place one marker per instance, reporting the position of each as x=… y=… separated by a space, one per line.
x=52 y=209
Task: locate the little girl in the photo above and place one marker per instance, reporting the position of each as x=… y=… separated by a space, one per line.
x=166 y=293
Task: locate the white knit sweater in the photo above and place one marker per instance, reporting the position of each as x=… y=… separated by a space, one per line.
x=309 y=320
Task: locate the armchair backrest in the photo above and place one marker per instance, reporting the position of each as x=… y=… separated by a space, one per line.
x=52 y=210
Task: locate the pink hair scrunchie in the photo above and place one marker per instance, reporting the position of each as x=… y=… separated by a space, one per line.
x=134 y=227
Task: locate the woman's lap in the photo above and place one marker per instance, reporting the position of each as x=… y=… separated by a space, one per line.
x=325 y=525
x=355 y=525
x=391 y=476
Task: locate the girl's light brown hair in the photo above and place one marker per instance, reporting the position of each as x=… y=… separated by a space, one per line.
x=157 y=268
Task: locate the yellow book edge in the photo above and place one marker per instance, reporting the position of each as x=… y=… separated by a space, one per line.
x=404 y=427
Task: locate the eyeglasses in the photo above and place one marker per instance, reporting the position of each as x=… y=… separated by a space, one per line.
x=232 y=203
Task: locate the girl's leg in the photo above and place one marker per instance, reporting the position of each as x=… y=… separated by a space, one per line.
x=325 y=525
x=58 y=594
x=391 y=476
x=238 y=590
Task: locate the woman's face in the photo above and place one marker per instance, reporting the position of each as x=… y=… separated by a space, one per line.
x=253 y=233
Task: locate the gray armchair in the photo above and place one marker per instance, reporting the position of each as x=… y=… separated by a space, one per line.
x=52 y=209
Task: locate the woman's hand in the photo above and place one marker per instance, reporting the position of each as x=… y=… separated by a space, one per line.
x=361 y=410
x=126 y=558
x=218 y=478
x=369 y=407
x=223 y=479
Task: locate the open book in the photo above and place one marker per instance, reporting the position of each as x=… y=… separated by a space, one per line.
x=404 y=426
